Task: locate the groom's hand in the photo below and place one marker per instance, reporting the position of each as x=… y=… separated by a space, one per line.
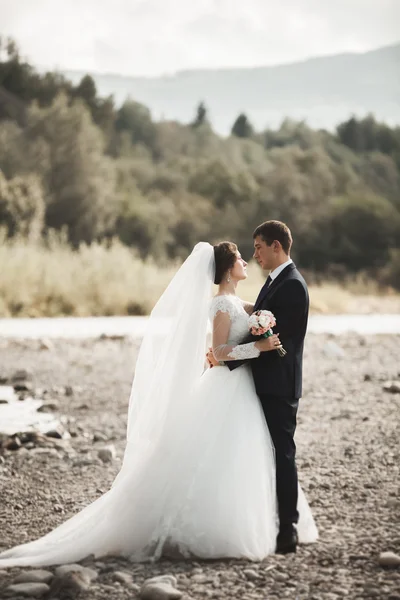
x=211 y=359
x=269 y=343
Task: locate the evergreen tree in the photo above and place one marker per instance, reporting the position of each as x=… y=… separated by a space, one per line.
x=242 y=127
x=201 y=115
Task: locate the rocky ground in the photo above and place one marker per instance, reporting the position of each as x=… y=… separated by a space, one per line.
x=348 y=458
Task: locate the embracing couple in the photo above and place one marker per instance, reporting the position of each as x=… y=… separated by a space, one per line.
x=209 y=466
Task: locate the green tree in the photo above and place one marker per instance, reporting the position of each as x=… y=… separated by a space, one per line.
x=360 y=231
x=86 y=89
x=201 y=116
x=79 y=180
x=22 y=206
x=242 y=127
x=350 y=134
x=135 y=118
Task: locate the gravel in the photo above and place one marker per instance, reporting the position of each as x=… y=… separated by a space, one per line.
x=348 y=459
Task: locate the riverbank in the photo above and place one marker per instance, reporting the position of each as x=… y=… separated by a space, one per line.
x=110 y=280
x=348 y=460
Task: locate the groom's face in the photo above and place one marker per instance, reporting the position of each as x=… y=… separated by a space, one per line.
x=263 y=254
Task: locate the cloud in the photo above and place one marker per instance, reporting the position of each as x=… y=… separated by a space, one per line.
x=151 y=37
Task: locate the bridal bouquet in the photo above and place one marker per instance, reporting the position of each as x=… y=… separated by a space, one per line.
x=261 y=323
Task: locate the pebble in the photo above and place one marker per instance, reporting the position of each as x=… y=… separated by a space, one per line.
x=23 y=386
x=48 y=407
x=170 y=579
x=332 y=350
x=251 y=574
x=55 y=433
x=107 y=455
x=123 y=577
x=21 y=374
x=393 y=387
x=99 y=436
x=389 y=559
x=46 y=344
x=12 y=443
x=31 y=590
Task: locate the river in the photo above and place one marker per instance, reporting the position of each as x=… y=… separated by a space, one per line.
x=92 y=327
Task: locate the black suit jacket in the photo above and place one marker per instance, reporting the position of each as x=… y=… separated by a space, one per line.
x=287 y=298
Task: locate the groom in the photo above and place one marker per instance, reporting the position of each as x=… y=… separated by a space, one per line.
x=278 y=380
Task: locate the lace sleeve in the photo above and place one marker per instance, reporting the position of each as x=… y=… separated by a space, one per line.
x=221 y=304
x=223 y=313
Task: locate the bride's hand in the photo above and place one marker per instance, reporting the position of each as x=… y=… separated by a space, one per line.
x=270 y=343
x=212 y=362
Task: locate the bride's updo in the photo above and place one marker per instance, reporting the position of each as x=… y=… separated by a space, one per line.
x=225 y=254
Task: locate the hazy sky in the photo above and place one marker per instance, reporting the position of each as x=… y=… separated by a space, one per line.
x=153 y=37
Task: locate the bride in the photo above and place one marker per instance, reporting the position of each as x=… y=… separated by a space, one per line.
x=198 y=474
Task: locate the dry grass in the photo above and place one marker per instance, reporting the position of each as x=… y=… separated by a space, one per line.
x=52 y=280
x=356 y=294
x=94 y=280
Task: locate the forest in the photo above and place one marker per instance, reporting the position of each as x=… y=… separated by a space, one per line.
x=75 y=165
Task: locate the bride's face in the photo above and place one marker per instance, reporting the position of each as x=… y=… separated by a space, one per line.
x=239 y=271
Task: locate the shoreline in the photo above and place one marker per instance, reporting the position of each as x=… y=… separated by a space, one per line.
x=347 y=455
x=115 y=327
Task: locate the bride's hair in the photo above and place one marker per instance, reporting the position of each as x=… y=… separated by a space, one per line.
x=225 y=254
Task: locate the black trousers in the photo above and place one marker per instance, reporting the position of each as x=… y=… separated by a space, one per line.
x=280 y=413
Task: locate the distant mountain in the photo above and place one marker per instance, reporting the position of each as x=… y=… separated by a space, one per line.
x=323 y=91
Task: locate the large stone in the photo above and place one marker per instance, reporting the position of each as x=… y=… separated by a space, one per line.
x=37 y=576
x=74 y=568
x=389 y=559
x=31 y=590
x=69 y=585
x=159 y=591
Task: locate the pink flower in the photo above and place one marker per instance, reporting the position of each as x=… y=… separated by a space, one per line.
x=261 y=321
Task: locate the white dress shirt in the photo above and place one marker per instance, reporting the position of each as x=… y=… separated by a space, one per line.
x=274 y=274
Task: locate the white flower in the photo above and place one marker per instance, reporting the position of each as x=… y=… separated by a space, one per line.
x=253 y=321
x=264 y=320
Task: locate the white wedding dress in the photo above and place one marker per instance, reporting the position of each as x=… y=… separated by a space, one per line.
x=198 y=474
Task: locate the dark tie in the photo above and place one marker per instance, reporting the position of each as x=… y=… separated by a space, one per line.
x=268 y=282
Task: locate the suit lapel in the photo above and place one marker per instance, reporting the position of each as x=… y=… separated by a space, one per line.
x=261 y=296
x=265 y=291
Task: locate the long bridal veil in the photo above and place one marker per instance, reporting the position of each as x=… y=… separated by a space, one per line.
x=169 y=365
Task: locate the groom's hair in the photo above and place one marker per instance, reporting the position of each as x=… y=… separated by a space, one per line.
x=225 y=254
x=275 y=230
